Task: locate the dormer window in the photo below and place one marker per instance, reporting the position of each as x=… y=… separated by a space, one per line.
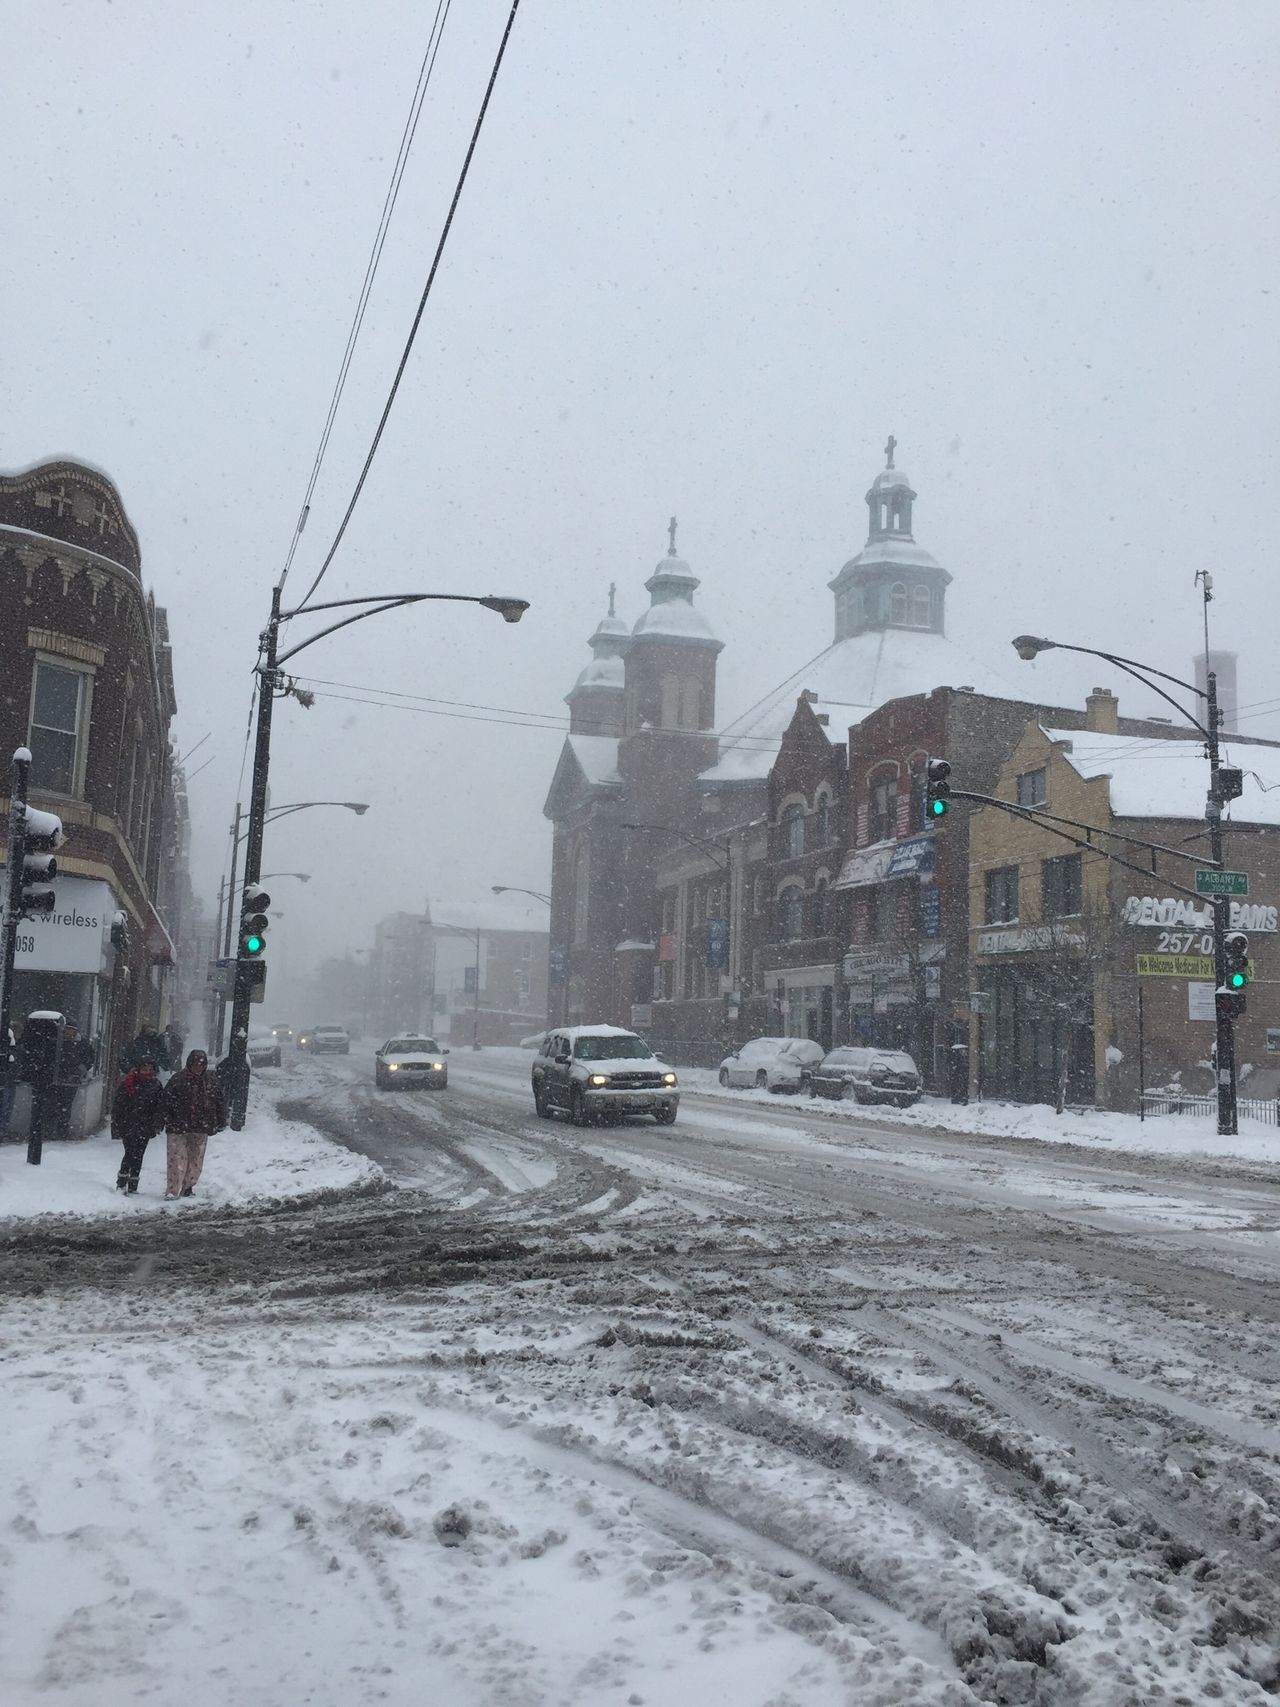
x=922 y=607
x=898 y=603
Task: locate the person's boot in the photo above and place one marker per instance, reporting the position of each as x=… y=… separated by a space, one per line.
x=188 y=1191
x=121 y=1183
x=131 y=1188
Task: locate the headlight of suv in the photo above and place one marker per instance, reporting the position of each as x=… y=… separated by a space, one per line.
x=393 y=1067
x=598 y=1079
x=668 y=1078
x=437 y=1066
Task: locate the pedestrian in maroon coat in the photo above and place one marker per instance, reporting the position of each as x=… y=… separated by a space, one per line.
x=195 y=1107
x=137 y=1114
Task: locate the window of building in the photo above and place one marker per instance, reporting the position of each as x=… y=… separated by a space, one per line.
x=526 y=950
x=820 y=908
x=668 y=914
x=690 y=703
x=882 y=823
x=759 y=895
x=1001 y=903
x=522 y=985
x=922 y=607
x=581 y=895
x=59 y=702
x=793 y=832
x=898 y=603
x=696 y=904
x=1033 y=789
x=822 y=822
x=790 y=915
x=884 y=912
x=1061 y=889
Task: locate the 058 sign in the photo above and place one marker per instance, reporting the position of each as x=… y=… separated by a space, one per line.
x=24 y=944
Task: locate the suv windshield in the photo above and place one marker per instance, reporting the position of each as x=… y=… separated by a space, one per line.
x=612 y=1049
x=412 y=1046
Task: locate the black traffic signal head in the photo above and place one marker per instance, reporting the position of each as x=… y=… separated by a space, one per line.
x=1236 y=944
x=41 y=833
x=253 y=922
x=938 y=801
x=1229 y=1004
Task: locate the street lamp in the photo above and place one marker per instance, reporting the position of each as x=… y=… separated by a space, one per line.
x=514 y=889
x=272 y=682
x=1029 y=646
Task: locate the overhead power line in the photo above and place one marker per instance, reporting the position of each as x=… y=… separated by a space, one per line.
x=422 y=304
x=375 y=255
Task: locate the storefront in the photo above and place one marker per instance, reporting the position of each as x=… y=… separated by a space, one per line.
x=66 y=964
x=1035 y=1012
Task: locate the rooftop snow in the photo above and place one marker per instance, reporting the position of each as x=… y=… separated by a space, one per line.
x=852 y=678
x=602 y=673
x=597 y=755
x=1169 y=779
x=674 y=619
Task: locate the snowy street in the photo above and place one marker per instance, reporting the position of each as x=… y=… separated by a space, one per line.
x=764 y=1408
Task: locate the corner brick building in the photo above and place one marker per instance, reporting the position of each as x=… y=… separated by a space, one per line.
x=86 y=682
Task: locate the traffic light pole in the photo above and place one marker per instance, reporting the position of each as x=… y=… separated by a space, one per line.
x=238 y=1043
x=12 y=904
x=1225 y=1067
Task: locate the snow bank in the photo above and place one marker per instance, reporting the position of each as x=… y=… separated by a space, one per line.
x=1166 y=1135
x=270 y=1160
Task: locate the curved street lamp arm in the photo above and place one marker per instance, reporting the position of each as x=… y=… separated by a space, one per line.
x=510 y=609
x=373 y=610
x=718 y=848
x=1140 y=673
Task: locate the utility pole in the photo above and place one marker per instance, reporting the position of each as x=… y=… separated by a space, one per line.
x=12 y=901
x=237 y=1044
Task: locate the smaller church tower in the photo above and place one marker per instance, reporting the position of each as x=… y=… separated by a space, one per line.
x=671 y=655
x=596 y=699
x=892 y=582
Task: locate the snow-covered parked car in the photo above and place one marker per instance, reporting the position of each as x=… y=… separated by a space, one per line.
x=263 y=1049
x=587 y=1071
x=772 y=1063
x=868 y=1075
x=404 y=1062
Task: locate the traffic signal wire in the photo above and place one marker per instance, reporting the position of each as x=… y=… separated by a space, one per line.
x=375 y=256
x=422 y=305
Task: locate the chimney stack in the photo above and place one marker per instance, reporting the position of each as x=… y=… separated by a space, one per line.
x=1102 y=712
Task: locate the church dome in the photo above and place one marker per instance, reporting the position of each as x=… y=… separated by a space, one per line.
x=889 y=478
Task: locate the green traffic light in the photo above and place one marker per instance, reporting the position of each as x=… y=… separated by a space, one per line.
x=1238 y=980
x=938 y=807
x=253 y=945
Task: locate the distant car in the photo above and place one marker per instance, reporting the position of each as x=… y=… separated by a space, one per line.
x=282 y=1033
x=263 y=1049
x=328 y=1040
x=868 y=1075
x=772 y=1063
x=404 y=1062
x=586 y=1071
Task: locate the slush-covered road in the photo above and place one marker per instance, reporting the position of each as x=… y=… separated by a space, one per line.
x=953 y=1419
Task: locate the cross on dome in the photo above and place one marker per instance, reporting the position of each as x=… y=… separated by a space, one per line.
x=889 y=450
x=613 y=593
x=671 y=533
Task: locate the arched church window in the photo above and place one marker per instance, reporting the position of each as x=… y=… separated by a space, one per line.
x=690 y=703
x=790 y=915
x=793 y=832
x=922 y=606
x=581 y=894
x=822 y=822
x=898 y=603
x=670 y=702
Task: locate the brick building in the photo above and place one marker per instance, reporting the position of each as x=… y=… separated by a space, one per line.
x=86 y=682
x=1093 y=978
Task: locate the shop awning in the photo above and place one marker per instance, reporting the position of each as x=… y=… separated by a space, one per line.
x=160 y=949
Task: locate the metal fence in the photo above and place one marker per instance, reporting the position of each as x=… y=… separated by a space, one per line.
x=1265 y=1109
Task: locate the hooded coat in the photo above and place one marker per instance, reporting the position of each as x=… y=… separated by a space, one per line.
x=138 y=1108
x=195 y=1102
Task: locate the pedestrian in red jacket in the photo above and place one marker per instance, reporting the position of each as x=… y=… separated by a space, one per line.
x=137 y=1114
x=194 y=1108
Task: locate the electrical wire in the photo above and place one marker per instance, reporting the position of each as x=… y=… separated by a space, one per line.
x=425 y=70
x=422 y=305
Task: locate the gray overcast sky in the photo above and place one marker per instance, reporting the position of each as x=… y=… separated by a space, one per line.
x=709 y=256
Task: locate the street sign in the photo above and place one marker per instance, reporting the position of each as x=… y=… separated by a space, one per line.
x=1175 y=965
x=1222 y=882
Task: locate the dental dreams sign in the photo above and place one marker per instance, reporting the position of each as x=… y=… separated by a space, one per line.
x=74 y=936
x=1181 y=913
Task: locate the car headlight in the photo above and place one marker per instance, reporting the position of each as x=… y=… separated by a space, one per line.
x=437 y=1066
x=598 y=1079
x=668 y=1078
x=393 y=1067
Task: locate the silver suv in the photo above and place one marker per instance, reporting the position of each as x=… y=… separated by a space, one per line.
x=585 y=1071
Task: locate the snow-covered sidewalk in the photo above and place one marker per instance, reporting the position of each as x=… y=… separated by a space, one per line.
x=1163 y=1135
x=271 y=1160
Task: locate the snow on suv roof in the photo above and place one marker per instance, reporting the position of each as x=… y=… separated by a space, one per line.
x=593 y=1031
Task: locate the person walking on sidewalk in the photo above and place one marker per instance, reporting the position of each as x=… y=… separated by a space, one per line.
x=195 y=1107
x=137 y=1115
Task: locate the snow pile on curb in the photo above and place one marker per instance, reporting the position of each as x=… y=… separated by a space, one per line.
x=271 y=1160
x=1170 y=1135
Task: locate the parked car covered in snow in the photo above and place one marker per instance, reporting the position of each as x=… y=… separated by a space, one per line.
x=587 y=1071
x=772 y=1063
x=263 y=1049
x=867 y=1075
